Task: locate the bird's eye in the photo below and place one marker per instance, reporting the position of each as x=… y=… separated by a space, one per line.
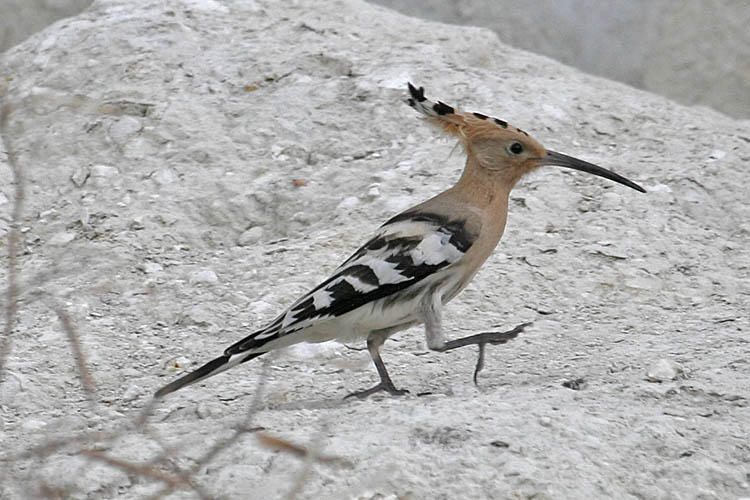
x=516 y=148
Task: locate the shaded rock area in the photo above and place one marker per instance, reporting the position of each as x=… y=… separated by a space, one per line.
x=693 y=51
x=192 y=168
x=20 y=19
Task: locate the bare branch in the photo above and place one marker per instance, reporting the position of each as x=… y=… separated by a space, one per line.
x=243 y=428
x=86 y=380
x=135 y=468
x=280 y=444
x=14 y=235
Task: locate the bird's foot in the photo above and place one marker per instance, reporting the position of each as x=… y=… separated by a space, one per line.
x=481 y=340
x=384 y=385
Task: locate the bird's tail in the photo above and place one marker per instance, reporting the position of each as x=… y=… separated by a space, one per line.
x=210 y=369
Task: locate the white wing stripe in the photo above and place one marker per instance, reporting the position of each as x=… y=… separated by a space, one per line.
x=385 y=271
x=435 y=249
x=322 y=298
x=359 y=285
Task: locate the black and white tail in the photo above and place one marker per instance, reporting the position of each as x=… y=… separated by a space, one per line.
x=210 y=369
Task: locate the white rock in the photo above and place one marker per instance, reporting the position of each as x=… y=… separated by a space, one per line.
x=14 y=384
x=164 y=176
x=203 y=276
x=260 y=307
x=717 y=154
x=203 y=410
x=197 y=315
x=80 y=176
x=62 y=238
x=348 y=203
x=206 y=5
x=104 y=171
x=33 y=424
x=663 y=370
x=152 y=267
x=103 y=176
x=250 y=237
x=610 y=201
x=131 y=393
x=124 y=128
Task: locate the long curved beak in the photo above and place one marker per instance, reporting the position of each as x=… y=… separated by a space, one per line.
x=561 y=160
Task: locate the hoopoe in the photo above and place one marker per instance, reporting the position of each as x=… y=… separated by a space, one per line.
x=419 y=259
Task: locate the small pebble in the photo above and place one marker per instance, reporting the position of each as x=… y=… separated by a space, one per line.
x=576 y=384
x=176 y=364
x=136 y=224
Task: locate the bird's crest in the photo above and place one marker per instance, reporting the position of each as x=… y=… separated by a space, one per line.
x=466 y=126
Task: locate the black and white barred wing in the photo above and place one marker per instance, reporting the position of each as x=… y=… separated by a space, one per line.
x=406 y=250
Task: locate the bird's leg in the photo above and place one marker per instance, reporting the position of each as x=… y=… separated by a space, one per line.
x=432 y=310
x=386 y=384
x=482 y=339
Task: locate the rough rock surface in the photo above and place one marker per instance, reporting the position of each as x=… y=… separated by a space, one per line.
x=694 y=51
x=155 y=139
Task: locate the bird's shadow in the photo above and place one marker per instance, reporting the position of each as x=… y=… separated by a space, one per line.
x=340 y=401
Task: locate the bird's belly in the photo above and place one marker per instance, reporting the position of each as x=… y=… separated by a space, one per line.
x=386 y=315
x=380 y=315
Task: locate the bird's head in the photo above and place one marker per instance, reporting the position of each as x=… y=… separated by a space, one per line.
x=499 y=148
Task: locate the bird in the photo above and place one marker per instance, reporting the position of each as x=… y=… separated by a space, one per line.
x=419 y=259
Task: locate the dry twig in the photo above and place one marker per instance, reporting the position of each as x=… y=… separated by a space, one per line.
x=14 y=235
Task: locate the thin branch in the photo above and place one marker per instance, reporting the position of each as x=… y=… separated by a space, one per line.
x=280 y=444
x=14 y=237
x=135 y=468
x=221 y=445
x=86 y=380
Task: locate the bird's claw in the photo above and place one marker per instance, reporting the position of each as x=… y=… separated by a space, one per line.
x=480 y=362
x=382 y=386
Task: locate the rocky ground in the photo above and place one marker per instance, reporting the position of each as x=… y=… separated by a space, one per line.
x=191 y=168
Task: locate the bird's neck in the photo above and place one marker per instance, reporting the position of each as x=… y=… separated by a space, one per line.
x=487 y=191
x=485 y=195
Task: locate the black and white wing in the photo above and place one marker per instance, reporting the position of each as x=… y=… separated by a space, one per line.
x=407 y=249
